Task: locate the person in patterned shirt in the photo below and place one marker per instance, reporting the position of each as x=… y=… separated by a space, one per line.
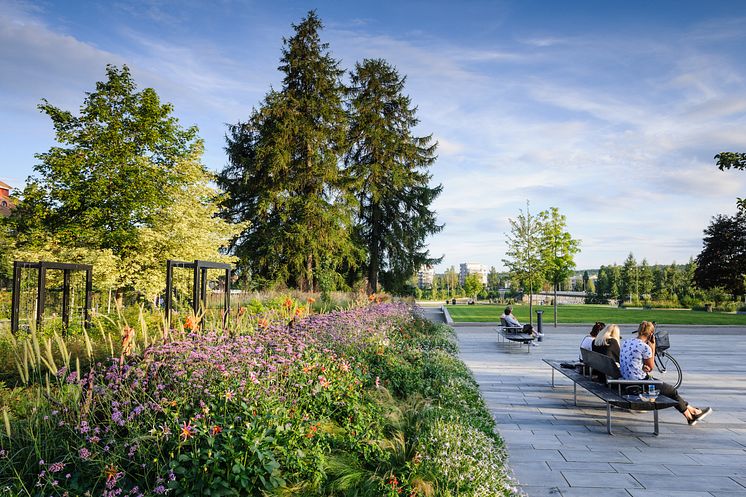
x=636 y=361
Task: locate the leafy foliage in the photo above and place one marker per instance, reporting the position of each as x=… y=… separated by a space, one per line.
x=733 y=160
x=124 y=190
x=722 y=262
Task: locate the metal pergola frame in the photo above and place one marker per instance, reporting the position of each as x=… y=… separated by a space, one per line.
x=199 y=290
x=41 y=291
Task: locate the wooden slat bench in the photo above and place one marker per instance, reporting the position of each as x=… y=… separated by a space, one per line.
x=515 y=334
x=612 y=390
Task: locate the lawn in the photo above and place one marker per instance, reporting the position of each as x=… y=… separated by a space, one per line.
x=568 y=314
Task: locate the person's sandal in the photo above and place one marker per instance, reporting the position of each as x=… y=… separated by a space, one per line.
x=702 y=414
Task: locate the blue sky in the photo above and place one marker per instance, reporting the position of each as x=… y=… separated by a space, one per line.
x=610 y=111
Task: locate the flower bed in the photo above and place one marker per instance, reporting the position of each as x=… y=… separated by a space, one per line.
x=369 y=401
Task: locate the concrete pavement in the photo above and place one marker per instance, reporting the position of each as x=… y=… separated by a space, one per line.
x=558 y=449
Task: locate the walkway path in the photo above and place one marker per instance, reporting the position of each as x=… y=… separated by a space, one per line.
x=558 y=449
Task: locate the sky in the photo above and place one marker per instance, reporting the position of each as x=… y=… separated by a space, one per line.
x=610 y=111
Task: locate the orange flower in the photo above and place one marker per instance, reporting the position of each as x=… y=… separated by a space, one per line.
x=324 y=382
x=216 y=429
x=128 y=335
x=310 y=300
x=262 y=322
x=187 y=430
x=299 y=311
x=371 y=297
x=191 y=324
x=241 y=311
x=111 y=472
x=288 y=303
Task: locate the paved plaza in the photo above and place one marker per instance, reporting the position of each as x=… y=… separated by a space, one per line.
x=558 y=449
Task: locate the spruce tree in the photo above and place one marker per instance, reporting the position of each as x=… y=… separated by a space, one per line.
x=387 y=166
x=283 y=175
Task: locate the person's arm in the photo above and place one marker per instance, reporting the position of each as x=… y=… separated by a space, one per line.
x=648 y=363
x=511 y=320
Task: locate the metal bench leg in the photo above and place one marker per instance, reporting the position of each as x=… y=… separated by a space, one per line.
x=655 y=422
x=608 y=418
x=552 y=377
x=575 y=393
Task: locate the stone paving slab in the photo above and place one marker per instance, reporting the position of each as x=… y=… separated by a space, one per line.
x=561 y=450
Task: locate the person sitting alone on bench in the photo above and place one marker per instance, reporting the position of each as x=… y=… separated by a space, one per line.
x=511 y=321
x=587 y=342
x=637 y=360
x=607 y=342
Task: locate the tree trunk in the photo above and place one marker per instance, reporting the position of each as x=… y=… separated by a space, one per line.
x=119 y=298
x=308 y=283
x=531 y=305
x=555 y=304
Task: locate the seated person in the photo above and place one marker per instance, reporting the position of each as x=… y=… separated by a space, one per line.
x=637 y=359
x=510 y=319
x=587 y=342
x=607 y=342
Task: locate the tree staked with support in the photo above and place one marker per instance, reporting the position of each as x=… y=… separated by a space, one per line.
x=557 y=248
x=523 y=256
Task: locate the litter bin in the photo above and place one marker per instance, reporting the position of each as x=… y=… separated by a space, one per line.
x=538 y=325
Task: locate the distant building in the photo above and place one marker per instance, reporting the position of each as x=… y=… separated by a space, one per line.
x=425 y=277
x=6 y=203
x=468 y=268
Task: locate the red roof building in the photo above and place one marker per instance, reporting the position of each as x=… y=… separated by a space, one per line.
x=6 y=203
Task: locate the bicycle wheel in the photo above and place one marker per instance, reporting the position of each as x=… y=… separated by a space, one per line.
x=668 y=369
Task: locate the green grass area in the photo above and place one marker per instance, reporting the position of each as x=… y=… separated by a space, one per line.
x=568 y=314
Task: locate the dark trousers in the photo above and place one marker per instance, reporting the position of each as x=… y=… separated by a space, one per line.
x=670 y=392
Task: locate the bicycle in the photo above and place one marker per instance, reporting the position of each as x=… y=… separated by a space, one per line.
x=665 y=363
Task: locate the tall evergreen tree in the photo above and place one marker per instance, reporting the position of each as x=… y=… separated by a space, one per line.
x=629 y=286
x=646 y=279
x=283 y=175
x=493 y=279
x=387 y=166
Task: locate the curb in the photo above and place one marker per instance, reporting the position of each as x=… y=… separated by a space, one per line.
x=449 y=319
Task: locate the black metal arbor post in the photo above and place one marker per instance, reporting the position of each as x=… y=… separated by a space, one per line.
x=41 y=291
x=199 y=291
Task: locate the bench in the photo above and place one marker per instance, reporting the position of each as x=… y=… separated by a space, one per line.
x=515 y=334
x=613 y=390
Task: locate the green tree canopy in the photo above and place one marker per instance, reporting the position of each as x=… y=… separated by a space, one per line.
x=473 y=285
x=722 y=262
x=123 y=167
x=387 y=167
x=630 y=282
x=733 y=160
x=283 y=175
x=523 y=255
x=558 y=250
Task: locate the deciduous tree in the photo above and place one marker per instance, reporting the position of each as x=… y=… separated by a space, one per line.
x=558 y=250
x=722 y=262
x=523 y=255
x=124 y=189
